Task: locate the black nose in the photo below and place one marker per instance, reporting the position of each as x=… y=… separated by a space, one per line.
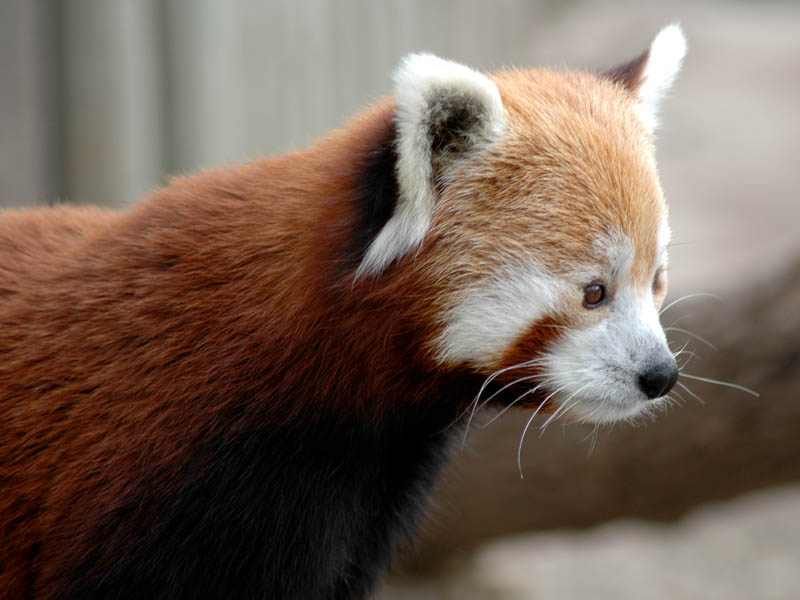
x=658 y=381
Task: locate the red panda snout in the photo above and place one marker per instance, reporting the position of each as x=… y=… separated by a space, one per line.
x=534 y=331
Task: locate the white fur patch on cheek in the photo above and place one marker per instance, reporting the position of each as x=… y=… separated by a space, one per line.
x=663 y=64
x=491 y=316
x=614 y=253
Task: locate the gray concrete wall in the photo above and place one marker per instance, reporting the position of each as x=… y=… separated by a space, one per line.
x=101 y=99
x=28 y=127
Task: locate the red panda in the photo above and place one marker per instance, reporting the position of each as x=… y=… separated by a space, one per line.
x=245 y=385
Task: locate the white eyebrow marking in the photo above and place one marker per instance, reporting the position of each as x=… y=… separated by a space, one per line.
x=616 y=250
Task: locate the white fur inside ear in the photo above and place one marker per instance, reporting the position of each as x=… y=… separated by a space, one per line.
x=424 y=84
x=663 y=64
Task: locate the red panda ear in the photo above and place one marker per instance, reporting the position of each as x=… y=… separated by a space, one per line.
x=444 y=112
x=650 y=75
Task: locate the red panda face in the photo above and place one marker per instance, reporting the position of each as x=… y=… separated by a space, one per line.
x=540 y=226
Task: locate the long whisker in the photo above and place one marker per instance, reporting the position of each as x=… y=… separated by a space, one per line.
x=695 y=295
x=687 y=361
x=474 y=404
x=735 y=386
x=674 y=399
x=527 y=426
x=505 y=387
x=563 y=409
x=680 y=350
x=678 y=320
x=692 y=334
x=517 y=399
x=683 y=351
x=588 y=418
x=690 y=392
x=593 y=438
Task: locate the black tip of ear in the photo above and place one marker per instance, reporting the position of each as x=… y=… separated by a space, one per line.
x=455 y=118
x=630 y=74
x=452 y=126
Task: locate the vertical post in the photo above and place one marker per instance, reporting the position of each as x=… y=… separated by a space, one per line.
x=112 y=148
x=28 y=126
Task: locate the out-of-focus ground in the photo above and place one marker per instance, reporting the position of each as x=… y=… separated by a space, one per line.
x=746 y=549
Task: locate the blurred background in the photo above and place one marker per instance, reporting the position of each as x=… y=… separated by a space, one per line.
x=100 y=100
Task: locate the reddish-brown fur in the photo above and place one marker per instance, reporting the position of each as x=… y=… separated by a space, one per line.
x=126 y=339
x=204 y=289
x=578 y=163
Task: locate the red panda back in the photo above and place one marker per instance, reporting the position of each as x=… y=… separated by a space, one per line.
x=131 y=340
x=245 y=385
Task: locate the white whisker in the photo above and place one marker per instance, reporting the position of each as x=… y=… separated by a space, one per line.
x=687 y=361
x=679 y=351
x=563 y=409
x=589 y=417
x=735 y=386
x=517 y=399
x=691 y=393
x=489 y=379
x=505 y=387
x=687 y=297
x=527 y=426
x=593 y=436
x=534 y=389
x=678 y=320
x=691 y=334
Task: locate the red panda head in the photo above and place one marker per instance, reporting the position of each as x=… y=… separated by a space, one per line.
x=530 y=208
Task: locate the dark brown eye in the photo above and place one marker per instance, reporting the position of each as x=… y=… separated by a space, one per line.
x=593 y=295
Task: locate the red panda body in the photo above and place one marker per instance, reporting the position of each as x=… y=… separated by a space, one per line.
x=244 y=386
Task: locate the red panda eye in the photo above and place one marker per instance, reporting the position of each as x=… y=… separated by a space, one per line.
x=593 y=295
